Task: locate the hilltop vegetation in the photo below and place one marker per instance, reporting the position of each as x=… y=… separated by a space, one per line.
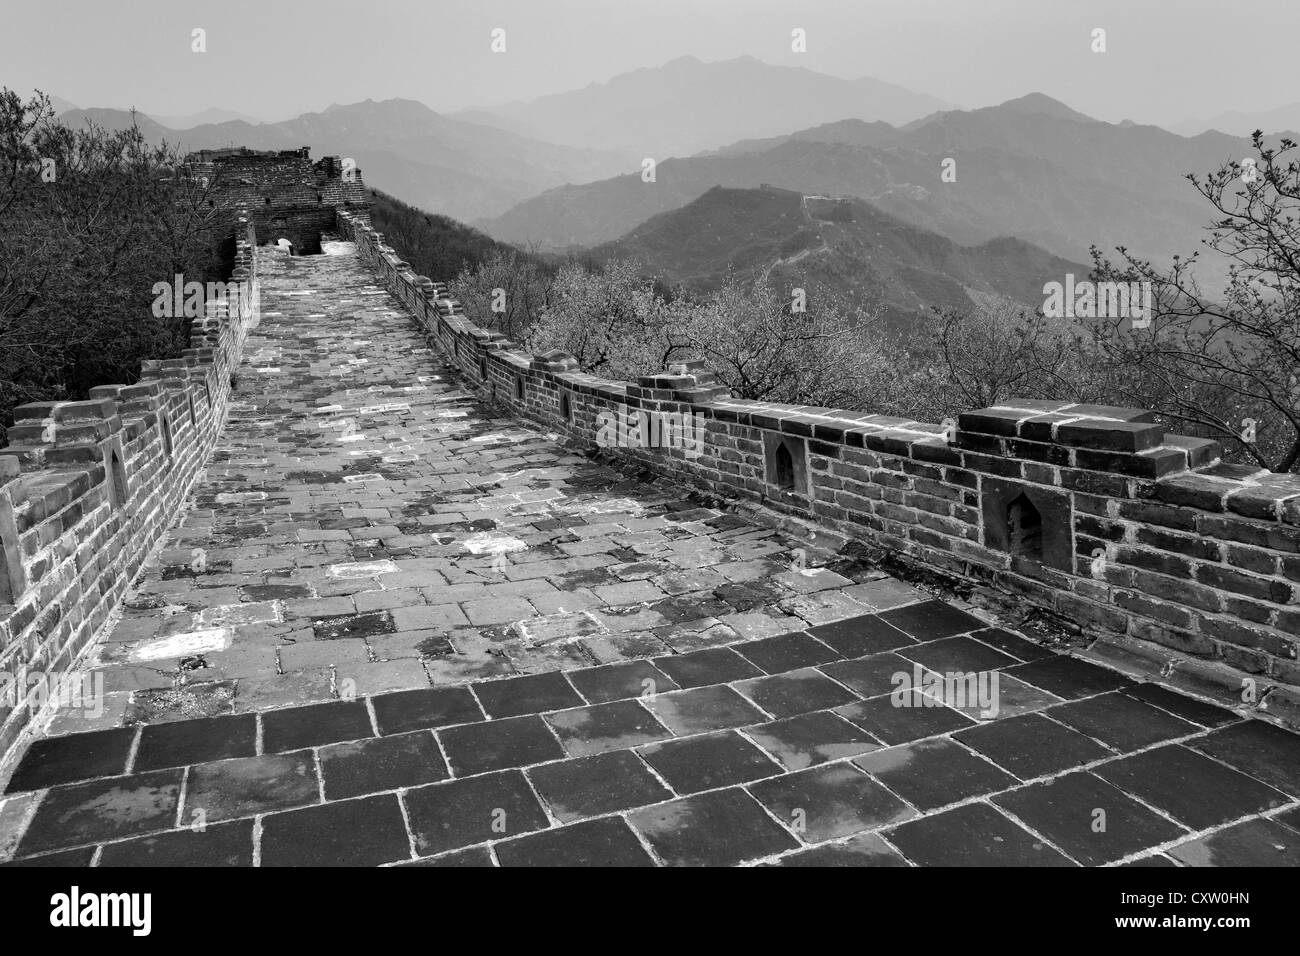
x=90 y=220
x=1229 y=370
x=463 y=169
x=1030 y=168
x=847 y=247
x=436 y=246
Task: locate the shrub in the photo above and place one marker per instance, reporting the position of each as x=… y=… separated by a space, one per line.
x=89 y=222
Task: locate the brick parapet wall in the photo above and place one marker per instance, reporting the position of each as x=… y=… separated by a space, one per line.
x=285 y=193
x=87 y=489
x=1147 y=539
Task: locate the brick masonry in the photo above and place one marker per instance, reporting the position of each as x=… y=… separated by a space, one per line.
x=284 y=193
x=87 y=488
x=353 y=676
x=1145 y=541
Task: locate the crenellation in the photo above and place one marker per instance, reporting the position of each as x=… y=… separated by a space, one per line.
x=1090 y=514
x=283 y=192
x=88 y=487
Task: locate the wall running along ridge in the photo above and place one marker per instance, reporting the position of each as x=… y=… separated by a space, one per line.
x=87 y=489
x=1178 y=564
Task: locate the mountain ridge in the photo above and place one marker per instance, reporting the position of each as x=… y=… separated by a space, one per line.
x=1031 y=168
x=451 y=166
x=687 y=105
x=846 y=245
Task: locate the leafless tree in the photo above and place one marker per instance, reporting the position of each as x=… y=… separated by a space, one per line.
x=505 y=293
x=1220 y=364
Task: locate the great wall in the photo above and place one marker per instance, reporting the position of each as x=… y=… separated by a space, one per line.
x=87 y=488
x=1141 y=551
x=1139 y=535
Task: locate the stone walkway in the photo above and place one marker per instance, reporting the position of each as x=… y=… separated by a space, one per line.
x=397 y=628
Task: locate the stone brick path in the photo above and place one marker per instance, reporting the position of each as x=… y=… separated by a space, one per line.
x=395 y=627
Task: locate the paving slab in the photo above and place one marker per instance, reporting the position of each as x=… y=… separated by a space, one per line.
x=455 y=642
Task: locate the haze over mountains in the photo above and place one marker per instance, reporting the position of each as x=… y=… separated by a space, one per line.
x=687 y=105
x=481 y=163
x=848 y=246
x=459 y=169
x=564 y=171
x=206 y=117
x=1031 y=168
x=1239 y=123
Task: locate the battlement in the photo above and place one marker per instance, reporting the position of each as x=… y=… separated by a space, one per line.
x=1146 y=543
x=87 y=488
x=284 y=193
x=829 y=208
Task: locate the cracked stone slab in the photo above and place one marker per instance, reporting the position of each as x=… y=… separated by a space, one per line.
x=230 y=615
x=186 y=644
x=181 y=703
x=558 y=628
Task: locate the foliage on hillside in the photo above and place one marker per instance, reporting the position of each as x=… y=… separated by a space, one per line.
x=89 y=222
x=1214 y=364
x=620 y=324
x=1031 y=168
x=435 y=246
x=848 y=247
x=1225 y=367
x=474 y=264
x=1208 y=368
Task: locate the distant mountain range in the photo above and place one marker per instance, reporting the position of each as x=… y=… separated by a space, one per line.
x=1236 y=123
x=58 y=104
x=213 y=115
x=448 y=166
x=1031 y=168
x=209 y=116
x=564 y=171
x=688 y=105
x=480 y=163
x=849 y=246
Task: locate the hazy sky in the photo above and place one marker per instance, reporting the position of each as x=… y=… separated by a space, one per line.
x=1166 y=60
